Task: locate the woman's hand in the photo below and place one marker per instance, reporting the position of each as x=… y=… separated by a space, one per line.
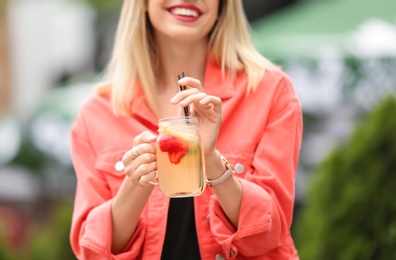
x=206 y=108
x=140 y=163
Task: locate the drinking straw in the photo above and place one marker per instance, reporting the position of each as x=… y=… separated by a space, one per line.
x=181 y=89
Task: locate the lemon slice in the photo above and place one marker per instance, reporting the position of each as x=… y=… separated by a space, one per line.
x=187 y=136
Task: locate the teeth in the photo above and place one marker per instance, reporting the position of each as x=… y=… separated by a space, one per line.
x=184 y=12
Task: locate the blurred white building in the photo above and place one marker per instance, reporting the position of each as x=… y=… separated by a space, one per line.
x=47 y=39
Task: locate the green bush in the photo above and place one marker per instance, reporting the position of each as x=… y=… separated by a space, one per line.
x=51 y=241
x=104 y=5
x=350 y=211
x=48 y=240
x=5 y=253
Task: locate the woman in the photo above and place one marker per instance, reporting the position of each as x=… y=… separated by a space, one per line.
x=248 y=112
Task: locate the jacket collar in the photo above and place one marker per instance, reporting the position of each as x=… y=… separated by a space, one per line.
x=215 y=83
x=141 y=111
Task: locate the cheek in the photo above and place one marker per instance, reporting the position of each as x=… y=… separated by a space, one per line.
x=210 y=24
x=153 y=6
x=154 y=13
x=213 y=5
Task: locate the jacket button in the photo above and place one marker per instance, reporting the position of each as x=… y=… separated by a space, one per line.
x=220 y=257
x=239 y=168
x=119 y=166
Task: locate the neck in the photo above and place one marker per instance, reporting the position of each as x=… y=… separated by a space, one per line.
x=175 y=58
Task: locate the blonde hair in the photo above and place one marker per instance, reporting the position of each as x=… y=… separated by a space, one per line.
x=134 y=54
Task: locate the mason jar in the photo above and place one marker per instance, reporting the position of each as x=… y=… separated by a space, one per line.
x=180 y=158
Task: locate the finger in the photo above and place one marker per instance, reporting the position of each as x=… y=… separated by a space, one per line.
x=145 y=179
x=142 y=170
x=181 y=95
x=138 y=150
x=211 y=102
x=142 y=150
x=144 y=137
x=139 y=154
x=190 y=83
x=130 y=155
x=196 y=98
x=146 y=148
x=141 y=166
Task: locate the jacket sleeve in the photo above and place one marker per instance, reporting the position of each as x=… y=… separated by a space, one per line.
x=91 y=230
x=268 y=187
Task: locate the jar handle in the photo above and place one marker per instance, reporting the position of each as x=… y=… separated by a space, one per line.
x=155 y=180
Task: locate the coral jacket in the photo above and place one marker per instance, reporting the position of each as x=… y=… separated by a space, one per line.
x=260 y=134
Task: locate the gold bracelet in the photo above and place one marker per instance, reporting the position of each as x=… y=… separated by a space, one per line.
x=227 y=174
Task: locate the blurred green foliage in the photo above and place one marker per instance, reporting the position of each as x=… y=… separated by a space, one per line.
x=30 y=157
x=53 y=237
x=47 y=241
x=104 y=6
x=350 y=207
x=5 y=253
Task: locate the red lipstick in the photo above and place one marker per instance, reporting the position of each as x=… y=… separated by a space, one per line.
x=185 y=12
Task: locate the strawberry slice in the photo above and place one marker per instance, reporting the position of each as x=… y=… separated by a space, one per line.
x=175 y=147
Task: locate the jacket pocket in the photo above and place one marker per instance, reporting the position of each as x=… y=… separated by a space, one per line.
x=241 y=161
x=111 y=166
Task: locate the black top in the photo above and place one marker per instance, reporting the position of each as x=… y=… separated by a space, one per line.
x=181 y=236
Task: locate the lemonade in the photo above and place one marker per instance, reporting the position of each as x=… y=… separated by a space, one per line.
x=180 y=162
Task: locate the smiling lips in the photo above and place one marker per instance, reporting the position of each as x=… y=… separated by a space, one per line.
x=186 y=13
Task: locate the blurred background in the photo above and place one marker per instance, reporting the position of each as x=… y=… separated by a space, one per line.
x=341 y=55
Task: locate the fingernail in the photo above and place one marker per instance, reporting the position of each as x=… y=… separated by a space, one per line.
x=174 y=100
